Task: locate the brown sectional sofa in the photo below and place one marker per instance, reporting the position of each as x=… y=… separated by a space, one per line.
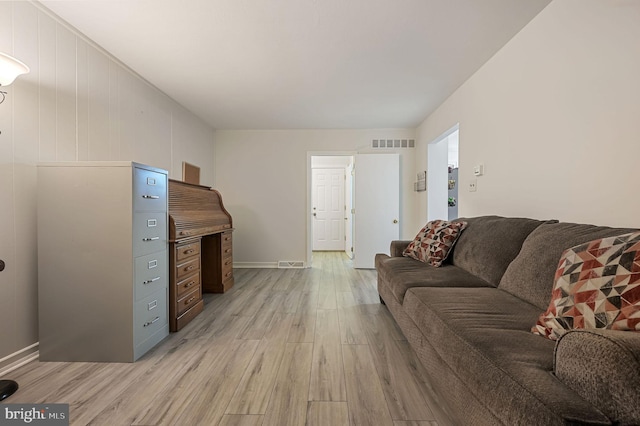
x=469 y=321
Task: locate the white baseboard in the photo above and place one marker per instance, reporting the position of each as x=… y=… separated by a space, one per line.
x=18 y=359
x=254 y=265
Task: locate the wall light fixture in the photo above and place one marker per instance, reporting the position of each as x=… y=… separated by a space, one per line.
x=10 y=68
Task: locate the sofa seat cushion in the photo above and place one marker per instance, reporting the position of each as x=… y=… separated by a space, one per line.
x=403 y=273
x=483 y=334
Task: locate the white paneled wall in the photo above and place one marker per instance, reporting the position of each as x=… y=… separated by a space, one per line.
x=78 y=103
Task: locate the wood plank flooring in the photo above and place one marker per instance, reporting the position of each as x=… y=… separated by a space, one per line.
x=283 y=347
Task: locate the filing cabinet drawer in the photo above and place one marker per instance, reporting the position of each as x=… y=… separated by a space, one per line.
x=187 y=284
x=186 y=250
x=149 y=190
x=149 y=232
x=150 y=315
x=189 y=300
x=188 y=267
x=150 y=274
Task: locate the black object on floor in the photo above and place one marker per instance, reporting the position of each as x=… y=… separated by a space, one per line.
x=7 y=388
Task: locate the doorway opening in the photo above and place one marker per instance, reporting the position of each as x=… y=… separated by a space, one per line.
x=442 y=176
x=332 y=203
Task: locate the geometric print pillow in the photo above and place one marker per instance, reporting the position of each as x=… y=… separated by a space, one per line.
x=434 y=241
x=597 y=285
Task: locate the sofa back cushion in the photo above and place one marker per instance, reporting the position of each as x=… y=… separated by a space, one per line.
x=531 y=274
x=489 y=243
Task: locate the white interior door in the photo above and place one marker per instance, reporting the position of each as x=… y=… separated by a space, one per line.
x=328 y=209
x=348 y=211
x=377 y=206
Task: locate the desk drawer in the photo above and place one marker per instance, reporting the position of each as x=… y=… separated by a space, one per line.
x=226 y=238
x=187 y=268
x=187 y=284
x=186 y=250
x=227 y=249
x=227 y=271
x=189 y=300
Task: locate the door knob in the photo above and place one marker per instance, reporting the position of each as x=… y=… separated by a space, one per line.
x=395 y=220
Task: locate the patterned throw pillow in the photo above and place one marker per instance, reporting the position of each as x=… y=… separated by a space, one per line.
x=433 y=243
x=597 y=285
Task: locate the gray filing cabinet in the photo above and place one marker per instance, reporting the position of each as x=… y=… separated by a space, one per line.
x=102 y=260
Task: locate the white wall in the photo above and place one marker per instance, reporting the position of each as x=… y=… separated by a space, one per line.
x=262 y=176
x=554 y=118
x=78 y=103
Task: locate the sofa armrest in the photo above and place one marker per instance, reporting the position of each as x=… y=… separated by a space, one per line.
x=602 y=366
x=398 y=246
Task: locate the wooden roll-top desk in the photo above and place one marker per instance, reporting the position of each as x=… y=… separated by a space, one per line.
x=200 y=249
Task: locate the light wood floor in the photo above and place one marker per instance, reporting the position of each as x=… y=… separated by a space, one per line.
x=282 y=347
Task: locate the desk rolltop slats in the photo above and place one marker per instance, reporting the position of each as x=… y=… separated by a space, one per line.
x=195 y=210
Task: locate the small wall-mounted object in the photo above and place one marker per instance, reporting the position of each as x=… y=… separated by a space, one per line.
x=478 y=170
x=420 y=184
x=190 y=173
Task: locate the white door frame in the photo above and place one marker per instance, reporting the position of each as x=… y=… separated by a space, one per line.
x=309 y=198
x=348 y=228
x=437 y=207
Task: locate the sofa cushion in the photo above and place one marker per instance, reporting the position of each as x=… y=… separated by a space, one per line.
x=531 y=274
x=434 y=241
x=483 y=334
x=403 y=273
x=489 y=243
x=597 y=285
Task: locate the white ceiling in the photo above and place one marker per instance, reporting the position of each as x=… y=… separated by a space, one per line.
x=292 y=64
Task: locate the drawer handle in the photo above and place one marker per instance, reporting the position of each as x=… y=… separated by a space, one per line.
x=227 y=262
x=190 y=300
x=148 y=323
x=151 y=239
x=185 y=233
x=228 y=274
x=189 y=251
x=188 y=268
x=227 y=250
x=151 y=197
x=189 y=284
x=227 y=238
x=152 y=280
